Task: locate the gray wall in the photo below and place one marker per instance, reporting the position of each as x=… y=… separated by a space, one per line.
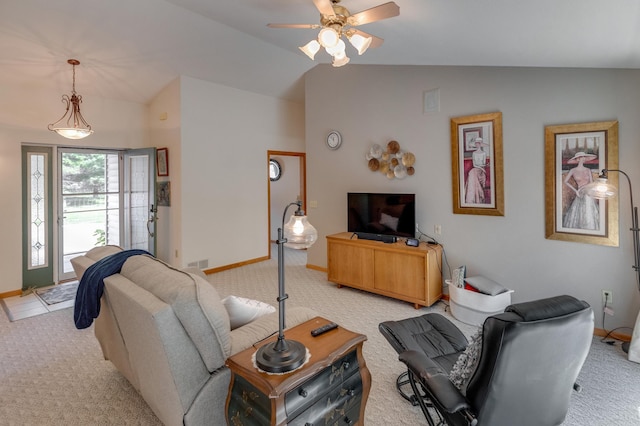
x=375 y=104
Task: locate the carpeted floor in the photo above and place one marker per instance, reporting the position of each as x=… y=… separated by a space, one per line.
x=53 y=374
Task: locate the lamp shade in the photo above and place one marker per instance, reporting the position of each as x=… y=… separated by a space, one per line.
x=360 y=43
x=337 y=50
x=299 y=233
x=72 y=133
x=328 y=37
x=340 y=61
x=600 y=189
x=310 y=49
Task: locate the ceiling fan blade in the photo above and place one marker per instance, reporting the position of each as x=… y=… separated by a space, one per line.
x=303 y=26
x=375 y=41
x=324 y=7
x=383 y=11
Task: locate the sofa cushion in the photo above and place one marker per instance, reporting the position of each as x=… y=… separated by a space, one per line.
x=194 y=301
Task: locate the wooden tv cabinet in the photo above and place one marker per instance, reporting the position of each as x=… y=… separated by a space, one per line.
x=395 y=270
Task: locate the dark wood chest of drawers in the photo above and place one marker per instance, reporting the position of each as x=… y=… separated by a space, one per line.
x=330 y=389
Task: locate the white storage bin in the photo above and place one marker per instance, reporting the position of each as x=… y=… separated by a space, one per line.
x=473 y=308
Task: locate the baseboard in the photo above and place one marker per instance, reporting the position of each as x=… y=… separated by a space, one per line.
x=619 y=336
x=317 y=268
x=10 y=294
x=235 y=265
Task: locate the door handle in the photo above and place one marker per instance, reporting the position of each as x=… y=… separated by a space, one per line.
x=153 y=218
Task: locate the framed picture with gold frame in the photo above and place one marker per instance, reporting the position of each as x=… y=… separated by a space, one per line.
x=574 y=156
x=476 y=164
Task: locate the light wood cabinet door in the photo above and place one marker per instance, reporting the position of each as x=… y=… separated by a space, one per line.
x=350 y=265
x=400 y=273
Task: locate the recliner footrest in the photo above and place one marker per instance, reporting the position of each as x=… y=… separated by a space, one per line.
x=432 y=334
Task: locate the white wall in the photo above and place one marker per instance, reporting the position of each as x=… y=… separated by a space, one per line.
x=25 y=113
x=164 y=123
x=225 y=136
x=374 y=104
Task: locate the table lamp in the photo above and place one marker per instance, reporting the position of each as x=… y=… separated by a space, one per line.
x=284 y=355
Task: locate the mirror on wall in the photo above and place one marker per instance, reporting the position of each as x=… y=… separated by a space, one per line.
x=275 y=170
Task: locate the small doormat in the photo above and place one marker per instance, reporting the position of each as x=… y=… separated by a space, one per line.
x=58 y=294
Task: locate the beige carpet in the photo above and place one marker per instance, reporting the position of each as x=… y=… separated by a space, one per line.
x=53 y=374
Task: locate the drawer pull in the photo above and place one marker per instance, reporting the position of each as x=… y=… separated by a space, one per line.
x=351 y=392
x=308 y=424
x=348 y=421
x=303 y=393
x=346 y=365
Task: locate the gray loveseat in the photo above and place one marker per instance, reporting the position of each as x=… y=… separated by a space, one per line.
x=168 y=333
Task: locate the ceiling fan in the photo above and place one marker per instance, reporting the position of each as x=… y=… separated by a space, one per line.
x=336 y=21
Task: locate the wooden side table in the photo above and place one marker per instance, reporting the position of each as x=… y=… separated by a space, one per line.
x=331 y=388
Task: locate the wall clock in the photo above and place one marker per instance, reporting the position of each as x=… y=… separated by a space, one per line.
x=334 y=139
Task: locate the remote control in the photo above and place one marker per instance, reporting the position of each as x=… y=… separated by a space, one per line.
x=318 y=331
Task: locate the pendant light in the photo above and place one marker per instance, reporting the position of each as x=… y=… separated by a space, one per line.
x=72 y=124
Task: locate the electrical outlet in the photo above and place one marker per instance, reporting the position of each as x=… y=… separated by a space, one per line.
x=437 y=229
x=607 y=298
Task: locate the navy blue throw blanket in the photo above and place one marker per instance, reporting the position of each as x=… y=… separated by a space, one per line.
x=91 y=287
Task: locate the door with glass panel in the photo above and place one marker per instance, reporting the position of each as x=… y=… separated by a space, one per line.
x=88 y=203
x=139 y=199
x=99 y=194
x=37 y=217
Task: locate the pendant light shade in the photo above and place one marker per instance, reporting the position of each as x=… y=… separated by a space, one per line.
x=72 y=124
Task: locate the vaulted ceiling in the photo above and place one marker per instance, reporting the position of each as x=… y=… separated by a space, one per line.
x=130 y=49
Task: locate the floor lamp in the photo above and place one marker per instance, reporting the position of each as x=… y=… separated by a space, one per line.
x=602 y=189
x=284 y=355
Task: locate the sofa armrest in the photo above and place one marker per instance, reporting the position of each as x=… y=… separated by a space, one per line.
x=249 y=334
x=80 y=265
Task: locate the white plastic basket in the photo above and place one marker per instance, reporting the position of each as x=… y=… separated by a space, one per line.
x=473 y=308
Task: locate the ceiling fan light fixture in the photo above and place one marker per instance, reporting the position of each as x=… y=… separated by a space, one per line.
x=72 y=124
x=310 y=49
x=328 y=37
x=360 y=43
x=337 y=49
x=336 y=21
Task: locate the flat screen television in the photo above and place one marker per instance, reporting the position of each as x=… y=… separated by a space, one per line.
x=384 y=214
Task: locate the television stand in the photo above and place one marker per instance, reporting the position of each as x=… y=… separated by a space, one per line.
x=395 y=270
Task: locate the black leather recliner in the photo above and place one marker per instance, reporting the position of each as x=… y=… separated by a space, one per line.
x=528 y=365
